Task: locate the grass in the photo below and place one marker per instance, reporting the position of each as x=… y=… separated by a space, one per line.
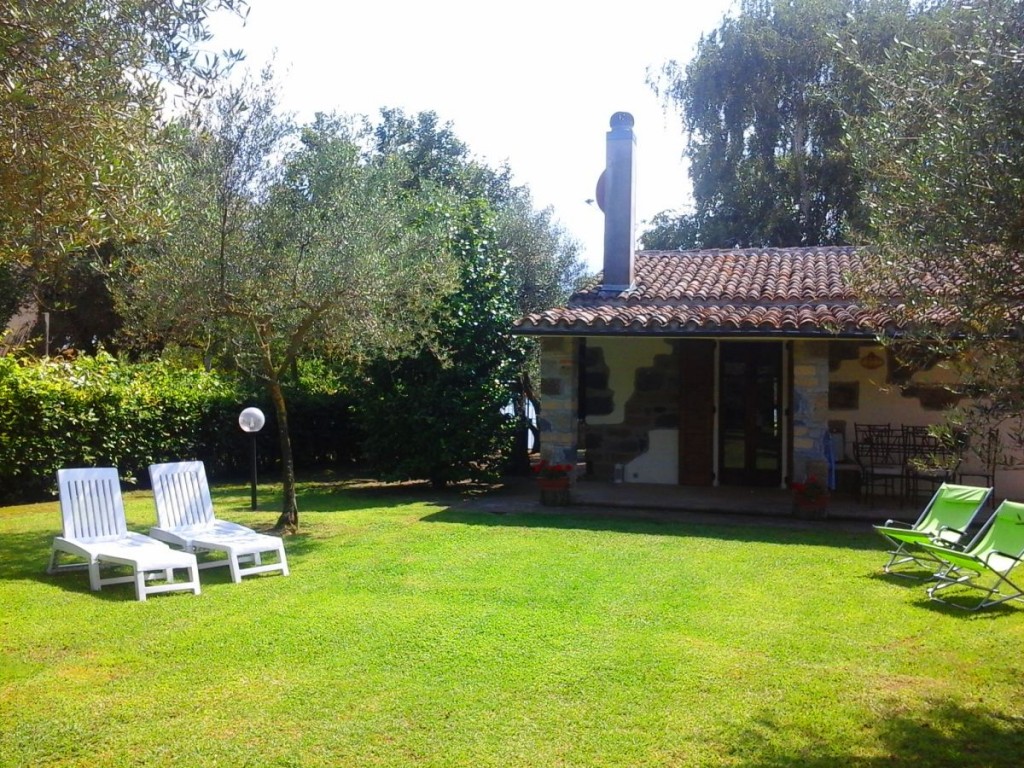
x=415 y=633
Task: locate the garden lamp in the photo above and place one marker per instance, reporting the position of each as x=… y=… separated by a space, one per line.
x=251 y=420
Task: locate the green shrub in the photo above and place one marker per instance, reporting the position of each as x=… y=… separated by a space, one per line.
x=100 y=412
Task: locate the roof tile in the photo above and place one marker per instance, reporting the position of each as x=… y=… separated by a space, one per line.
x=769 y=290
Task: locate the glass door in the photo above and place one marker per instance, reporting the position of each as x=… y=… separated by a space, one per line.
x=750 y=415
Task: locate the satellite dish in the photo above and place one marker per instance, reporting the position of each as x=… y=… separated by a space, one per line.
x=599 y=193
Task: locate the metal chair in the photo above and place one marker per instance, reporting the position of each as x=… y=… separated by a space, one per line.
x=878 y=450
x=986 y=563
x=944 y=521
x=928 y=461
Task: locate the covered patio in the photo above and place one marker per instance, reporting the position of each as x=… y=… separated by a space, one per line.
x=765 y=502
x=673 y=502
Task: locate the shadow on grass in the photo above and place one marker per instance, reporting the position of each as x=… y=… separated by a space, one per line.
x=725 y=526
x=920 y=580
x=341 y=495
x=943 y=735
x=25 y=556
x=960 y=600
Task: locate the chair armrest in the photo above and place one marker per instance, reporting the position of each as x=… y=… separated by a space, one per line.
x=1002 y=554
x=898 y=524
x=948 y=536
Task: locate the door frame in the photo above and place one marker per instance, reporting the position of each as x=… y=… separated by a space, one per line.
x=749 y=475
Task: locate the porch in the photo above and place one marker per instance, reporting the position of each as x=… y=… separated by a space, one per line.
x=772 y=506
x=758 y=502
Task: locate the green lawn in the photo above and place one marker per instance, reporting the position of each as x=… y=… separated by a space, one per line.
x=411 y=634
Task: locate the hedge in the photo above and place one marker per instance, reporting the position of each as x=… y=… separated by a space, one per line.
x=104 y=412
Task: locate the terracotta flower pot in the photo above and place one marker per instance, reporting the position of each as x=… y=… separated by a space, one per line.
x=554 y=491
x=811 y=509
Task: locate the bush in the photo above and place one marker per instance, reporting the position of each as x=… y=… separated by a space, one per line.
x=101 y=412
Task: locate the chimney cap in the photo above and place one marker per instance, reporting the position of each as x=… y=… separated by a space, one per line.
x=621 y=120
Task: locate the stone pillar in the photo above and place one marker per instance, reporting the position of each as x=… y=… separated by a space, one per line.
x=810 y=409
x=558 y=420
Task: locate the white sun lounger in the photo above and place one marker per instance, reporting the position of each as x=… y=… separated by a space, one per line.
x=185 y=518
x=95 y=529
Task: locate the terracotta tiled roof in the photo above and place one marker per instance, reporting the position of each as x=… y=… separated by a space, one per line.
x=793 y=291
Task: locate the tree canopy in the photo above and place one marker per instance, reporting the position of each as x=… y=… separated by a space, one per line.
x=513 y=259
x=440 y=413
x=82 y=85
x=287 y=240
x=544 y=261
x=763 y=102
x=942 y=154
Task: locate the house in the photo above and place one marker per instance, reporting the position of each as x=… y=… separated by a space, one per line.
x=743 y=367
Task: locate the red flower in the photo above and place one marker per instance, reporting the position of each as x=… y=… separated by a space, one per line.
x=812 y=490
x=548 y=471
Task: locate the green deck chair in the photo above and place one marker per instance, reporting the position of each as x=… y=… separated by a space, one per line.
x=943 y=521
x=987 y=561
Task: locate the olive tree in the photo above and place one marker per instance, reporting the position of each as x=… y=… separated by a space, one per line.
x=942 y=153
x=82 y=87
x=287 y=240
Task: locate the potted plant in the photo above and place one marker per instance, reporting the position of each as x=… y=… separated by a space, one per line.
x=810 y=499
x=554 y=481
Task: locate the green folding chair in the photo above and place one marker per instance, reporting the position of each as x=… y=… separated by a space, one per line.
x=943 y=522
x=986 y=563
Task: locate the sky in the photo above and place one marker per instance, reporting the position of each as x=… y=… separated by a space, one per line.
x=532 y=83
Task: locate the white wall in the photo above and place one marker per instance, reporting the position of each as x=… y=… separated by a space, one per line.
x=883 y=403
x=659 y=463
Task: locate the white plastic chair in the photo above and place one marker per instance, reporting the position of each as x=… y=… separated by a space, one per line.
x=95 y=529
x=185 y=518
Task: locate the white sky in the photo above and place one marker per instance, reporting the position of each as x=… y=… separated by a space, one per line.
x=532 y=83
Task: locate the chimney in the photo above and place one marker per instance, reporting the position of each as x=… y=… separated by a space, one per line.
x=617 y=195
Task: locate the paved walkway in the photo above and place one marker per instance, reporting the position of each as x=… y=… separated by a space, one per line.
x=763 y=506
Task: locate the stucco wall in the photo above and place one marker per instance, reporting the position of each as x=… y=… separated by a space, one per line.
x=878 y=400
x=629 y=356
x=881 y=401
x=632 y=390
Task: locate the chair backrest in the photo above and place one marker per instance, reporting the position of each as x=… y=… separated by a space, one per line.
x=90 y=504
x=924 y=451
x=1004 y=532
x=877 y=445
x=181 y=494
x=952 y=506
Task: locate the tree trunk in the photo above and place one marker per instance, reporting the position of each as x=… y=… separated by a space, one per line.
x=288 y=522
x=803 y=191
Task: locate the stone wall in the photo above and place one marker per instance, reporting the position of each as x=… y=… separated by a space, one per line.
x=810 y=408
x=651 y=402
x=558 y=420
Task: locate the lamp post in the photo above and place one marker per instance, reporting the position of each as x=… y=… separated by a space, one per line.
x=251 y=420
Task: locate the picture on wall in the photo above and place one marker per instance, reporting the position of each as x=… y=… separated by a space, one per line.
x=843 y=395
